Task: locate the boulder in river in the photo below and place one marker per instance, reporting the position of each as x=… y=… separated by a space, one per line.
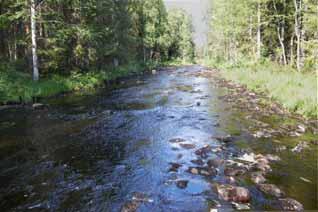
x=174 y=167
x=198 y=162
x=225 y=139
x=234 y=171
x=215 y=162
x=130 y=206
x=241 y=207
x=233 y=193
x=204 y=151
x=176 y=140
x=204 y=171
x=182 y=184
x=271 y=189
x=289 y=204
x=187 y=146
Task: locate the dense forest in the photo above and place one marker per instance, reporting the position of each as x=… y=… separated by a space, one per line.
x=76 y=36
x=284 y=31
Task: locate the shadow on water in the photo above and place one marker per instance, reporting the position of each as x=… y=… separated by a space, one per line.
x=98 y=152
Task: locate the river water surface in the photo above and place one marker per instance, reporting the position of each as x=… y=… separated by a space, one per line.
x=99 y=152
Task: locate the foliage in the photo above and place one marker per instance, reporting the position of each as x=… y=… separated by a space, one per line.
x=235 y=27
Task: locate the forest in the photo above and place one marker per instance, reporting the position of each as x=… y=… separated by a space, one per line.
x=270 y=45
x=76 y=44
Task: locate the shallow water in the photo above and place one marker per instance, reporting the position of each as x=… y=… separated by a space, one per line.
x=92 y=153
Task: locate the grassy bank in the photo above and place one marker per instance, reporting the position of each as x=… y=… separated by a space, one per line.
x=296 y=91
x=16 y=86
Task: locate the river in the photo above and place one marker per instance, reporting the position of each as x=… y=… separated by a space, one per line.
x=122 y=145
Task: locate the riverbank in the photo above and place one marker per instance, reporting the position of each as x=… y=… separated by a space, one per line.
x=295 y=91
x=17 y=87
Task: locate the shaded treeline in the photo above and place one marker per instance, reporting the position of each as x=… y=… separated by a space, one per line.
x=91 y=34
x=285 y=31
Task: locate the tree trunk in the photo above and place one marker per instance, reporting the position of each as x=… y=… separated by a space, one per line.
x=297 y=4
x=258 y=53
x=34 y=44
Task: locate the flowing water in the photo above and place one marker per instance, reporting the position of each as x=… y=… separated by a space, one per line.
x=97 y=152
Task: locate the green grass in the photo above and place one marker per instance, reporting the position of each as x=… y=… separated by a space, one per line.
x=18 y=86
x=296 y=91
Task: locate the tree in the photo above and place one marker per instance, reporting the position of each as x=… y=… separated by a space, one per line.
x=34 y=42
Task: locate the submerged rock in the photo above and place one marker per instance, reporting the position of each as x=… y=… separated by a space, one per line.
x=130 y=206
x=187 y=146
x=233 y=193
x=174 y=167
x=289 y=204
x=204 y=151
x=176 y=140
x=204 y=171
x=182 y=184
x=215 y=162
x=198 y=162
x=271 y=189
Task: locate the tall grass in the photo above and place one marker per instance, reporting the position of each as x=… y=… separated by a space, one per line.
x=296 y=91
x=17 y=86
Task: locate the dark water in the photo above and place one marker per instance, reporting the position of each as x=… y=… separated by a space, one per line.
x=92 y=153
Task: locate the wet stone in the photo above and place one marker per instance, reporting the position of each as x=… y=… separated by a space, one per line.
x=215 y=162
x=130 y=206
x=300 y=147
x=257 y=178
x=225 y=139
x=187 y=146
x=271 y=189
x=271 y=157
x=204 y=171
x=176 y=140
x=198 y=162
x=234 y=171
x=289 y=204
x=240 y=207
x=233 y=193
x=204 y=151
x=182 y=184
x=174 y=167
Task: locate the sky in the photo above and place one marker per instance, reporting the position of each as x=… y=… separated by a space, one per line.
x=198 y=10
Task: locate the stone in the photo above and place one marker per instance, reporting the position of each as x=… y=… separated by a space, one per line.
x=301 y=128
x=271 y=157
x=182 y=184
x=271 y=189
x=174 y=167
x=153 y=71
x=187 y=146
x=176 y=140
x=204 y=151
x=240 y=207
x=39 y=106
x=198 y=103
x=130 y=206
x=204 y=171
x=289 y=204
x=233 y=193
x=225 y=139
x=234 y=171
x=215 y=162
x=141 y=197
x=198 y=162
x=300 y=147
x=258 y=178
